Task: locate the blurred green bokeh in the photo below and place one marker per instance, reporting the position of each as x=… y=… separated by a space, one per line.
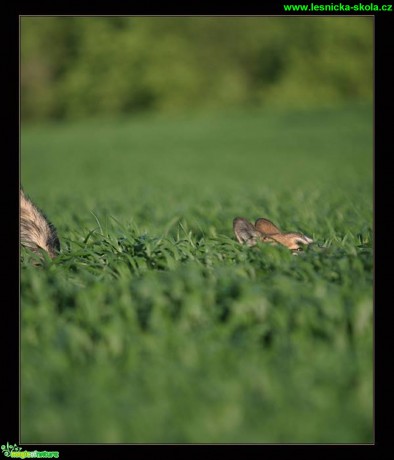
x=76 y=67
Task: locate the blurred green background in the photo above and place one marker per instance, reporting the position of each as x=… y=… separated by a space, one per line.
x=73 y=67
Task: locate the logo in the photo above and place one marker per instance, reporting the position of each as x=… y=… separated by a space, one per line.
x=14 y=451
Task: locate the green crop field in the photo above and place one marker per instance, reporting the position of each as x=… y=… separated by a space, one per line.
x=154 y=325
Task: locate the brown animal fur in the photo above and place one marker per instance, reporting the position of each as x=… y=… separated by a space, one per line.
x=267 y=232
x=36 y=232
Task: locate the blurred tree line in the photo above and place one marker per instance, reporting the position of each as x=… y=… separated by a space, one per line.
x=84 y=66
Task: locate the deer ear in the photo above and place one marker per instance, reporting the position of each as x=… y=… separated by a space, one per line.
x=245 y=232
x=266 y=226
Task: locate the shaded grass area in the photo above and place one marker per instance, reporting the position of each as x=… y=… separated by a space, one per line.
x=155 y=325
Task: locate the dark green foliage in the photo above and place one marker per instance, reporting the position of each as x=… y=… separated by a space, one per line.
x=84 y=66
x=155 y=325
